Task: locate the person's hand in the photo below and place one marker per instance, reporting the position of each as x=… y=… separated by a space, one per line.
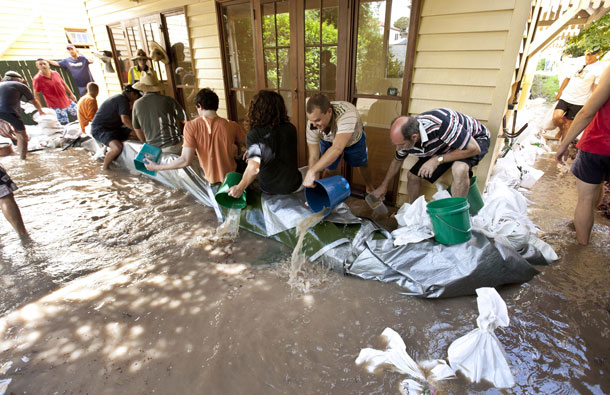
x=236 y=191
x=428 y=168
x=557 y=96
x=310 y=177
x=562 y=153
x=245 y=155
x=379 y=193
x=6 y=130
x=150 y=166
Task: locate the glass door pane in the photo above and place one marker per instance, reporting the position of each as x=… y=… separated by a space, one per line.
x=382 y=46
x=151 y=31
x=377 y=114
x=276 y=49
x=182 y=63
x=239 y=47
x=321 y=33
x=122 y=51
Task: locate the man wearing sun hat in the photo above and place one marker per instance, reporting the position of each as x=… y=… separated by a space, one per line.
x=157 y=119
x=78 y=66
x=576 y=89
x=140 y=66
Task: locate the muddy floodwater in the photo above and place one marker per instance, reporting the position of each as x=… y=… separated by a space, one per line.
x=122 y=290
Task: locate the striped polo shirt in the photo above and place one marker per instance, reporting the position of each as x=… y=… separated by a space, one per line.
x=443 y=130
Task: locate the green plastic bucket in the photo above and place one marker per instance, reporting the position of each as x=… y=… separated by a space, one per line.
x=450 y=220
x=474 y=196
x=223 y=198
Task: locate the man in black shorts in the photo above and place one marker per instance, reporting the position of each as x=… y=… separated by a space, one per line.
x=12 y=89
x=443 y=139
x=575 y=90
x=112 y=122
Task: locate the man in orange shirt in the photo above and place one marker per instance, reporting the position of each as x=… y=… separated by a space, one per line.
x=87 y=105
x=216 y=140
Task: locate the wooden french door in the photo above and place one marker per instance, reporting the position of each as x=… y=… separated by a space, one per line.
x=352 y=50
x=169 y=30
x=268 y=46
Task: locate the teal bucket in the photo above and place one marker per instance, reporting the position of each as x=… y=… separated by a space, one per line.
x=149 y=152
x=450 y=220
x=474 y=196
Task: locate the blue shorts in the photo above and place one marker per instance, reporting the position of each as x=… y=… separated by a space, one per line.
x=62 y=113
x=355 y=156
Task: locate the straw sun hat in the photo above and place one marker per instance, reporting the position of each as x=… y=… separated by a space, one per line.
x=148 y=83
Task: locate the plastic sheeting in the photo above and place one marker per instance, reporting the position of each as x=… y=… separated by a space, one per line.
x=357 y=246
x=432 y=270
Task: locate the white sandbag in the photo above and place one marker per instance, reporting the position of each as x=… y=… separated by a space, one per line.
x=48 y=122
x=72 y=130
x=396 y=357
x=479 y=355
x=414 y=223
x=441 y=192
x=504 y=218
x=546 y=122
x=530 y=176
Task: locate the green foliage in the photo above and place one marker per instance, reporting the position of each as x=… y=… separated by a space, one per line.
x=545 y=86
x=371 y=64
x=597 y=34
x=540 y=65
x=402 y=23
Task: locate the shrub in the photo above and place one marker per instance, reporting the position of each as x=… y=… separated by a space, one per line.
x=545 y=86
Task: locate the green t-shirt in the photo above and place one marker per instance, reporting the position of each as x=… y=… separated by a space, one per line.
x=159 y=117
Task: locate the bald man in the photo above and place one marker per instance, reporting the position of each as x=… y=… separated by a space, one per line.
x=443 y=139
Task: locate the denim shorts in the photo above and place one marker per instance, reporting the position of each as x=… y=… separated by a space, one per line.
x=355 y=156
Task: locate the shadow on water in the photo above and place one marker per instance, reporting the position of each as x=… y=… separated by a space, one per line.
x=124 y=293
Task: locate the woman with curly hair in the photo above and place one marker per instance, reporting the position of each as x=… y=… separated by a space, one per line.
x=271 y=144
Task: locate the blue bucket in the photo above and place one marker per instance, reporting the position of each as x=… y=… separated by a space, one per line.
x=328 y=192
x=149 y=152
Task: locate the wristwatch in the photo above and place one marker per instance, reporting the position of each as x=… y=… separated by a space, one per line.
x=440 y=159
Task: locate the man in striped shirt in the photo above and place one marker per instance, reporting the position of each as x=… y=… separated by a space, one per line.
x=443 y=139
x=334 y=130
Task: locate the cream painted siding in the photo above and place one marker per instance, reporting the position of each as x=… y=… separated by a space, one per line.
x=202 y=27
x=465 y=60
x=31 y=29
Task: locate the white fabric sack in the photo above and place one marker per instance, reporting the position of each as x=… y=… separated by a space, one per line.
x=504 y=218
x=395 y=356
x=414 y=223
x=546 y=122
x=530 y=176
x=479 y=355
x=441 y=192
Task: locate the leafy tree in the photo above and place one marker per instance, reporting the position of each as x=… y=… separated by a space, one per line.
x=597 y=34
x=402 y=23
x=372 y=65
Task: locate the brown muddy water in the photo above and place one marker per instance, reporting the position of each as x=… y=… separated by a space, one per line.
x=121 y=291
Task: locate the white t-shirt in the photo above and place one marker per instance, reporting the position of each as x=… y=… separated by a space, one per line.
x=579 y=88
x=345 y=119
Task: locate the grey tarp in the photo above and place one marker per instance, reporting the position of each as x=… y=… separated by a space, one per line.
x=358 y=246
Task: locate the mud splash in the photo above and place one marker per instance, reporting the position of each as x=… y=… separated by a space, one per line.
x=298 y=278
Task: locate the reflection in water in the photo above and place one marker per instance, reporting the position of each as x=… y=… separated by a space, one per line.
x=121 y=291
